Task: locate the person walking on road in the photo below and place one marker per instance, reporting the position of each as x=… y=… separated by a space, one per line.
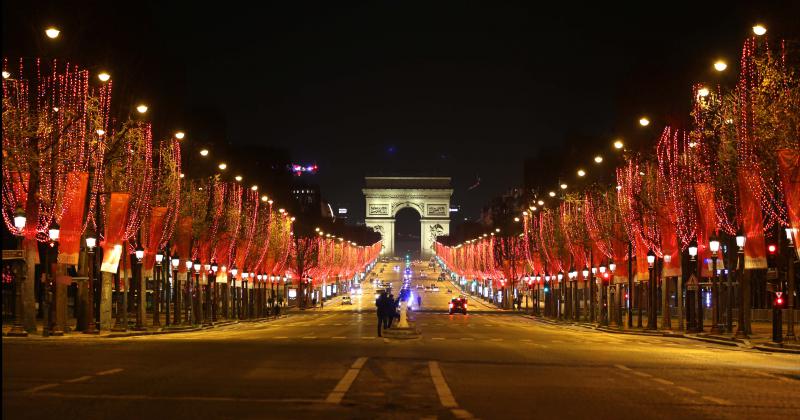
x=389 y=311
x=419 y=302
x=380 y=306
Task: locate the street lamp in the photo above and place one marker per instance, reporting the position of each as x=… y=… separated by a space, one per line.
x=693 y=250
x=20 y=219
x=720 y=65
x=713 y=246
x=139 y=253
x=644 y=121
x=791 y=232
x=180 y=135
x=174 y=262
x=53 y=32
x=618 y=144
x=54 y=232
x=758 y=29
x=104 y=77
x=141 y=108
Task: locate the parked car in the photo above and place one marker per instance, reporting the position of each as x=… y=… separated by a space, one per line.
x=346 y=300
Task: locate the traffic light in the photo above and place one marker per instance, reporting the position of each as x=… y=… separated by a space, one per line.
x=779 y=300
x=772 y=250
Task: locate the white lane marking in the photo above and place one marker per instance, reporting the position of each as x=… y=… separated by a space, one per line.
x=557 y=341
x=687 y=389
x=467 y=338
x=338 y=337
x=663 y=381
x=623 y=367
x=460 y=413
x=526 y=340
x=496 y=339
x=109 y=372
x=642 y=374
x=768 y=375
x=445 y=395
x=309 y=337
x=41 y=387
x=336 y=396
x=367 y=338
x=78 y=379
x=719 y=401
x=437 y=338
x=283 y=336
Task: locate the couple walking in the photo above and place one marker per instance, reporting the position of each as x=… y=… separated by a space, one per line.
x=386 y=308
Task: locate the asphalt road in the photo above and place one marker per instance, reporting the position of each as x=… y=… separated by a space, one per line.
x=330 y=364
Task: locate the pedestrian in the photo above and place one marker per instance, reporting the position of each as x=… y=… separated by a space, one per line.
x=380 y=306
x=419 y=302
x=389 y=311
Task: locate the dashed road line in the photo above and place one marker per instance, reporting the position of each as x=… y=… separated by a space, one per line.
x=437 y=338
x=642 y=374
x=338 y=337
x=467 y=338
x=716 y=400
x=663 y=381
x=446 y=397
x=336 y=396
x=78 y=379
x=109 y=372
x=687 y=389
x=41 y=387
x=623 y=367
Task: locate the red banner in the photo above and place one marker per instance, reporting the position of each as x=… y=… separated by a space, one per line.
x=183 y=242
x=642 y=267
x=706 y=225
x=620 y=252
x=669 y=247
x=789 y=168
x=69 y=243
x=115 y=227
x=158 y=217
x=755 y=247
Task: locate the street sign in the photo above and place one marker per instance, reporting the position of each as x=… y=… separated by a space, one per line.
x=13 y=254
x=692 y=283
x=772 y=273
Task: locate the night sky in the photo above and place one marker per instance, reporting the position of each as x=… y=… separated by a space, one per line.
x=466 y=89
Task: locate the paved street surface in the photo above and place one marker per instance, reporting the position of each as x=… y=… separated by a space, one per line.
x=328 y=363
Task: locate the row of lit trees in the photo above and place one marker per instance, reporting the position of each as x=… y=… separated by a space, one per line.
x=727 y=182
x=77 y=176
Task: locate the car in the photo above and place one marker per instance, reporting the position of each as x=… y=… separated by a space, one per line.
x=420 y=287
x=458 y=304
x=346 y=300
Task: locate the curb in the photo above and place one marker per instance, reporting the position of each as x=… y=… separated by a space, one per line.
x=721 y=341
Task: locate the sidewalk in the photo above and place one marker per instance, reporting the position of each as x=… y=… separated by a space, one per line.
x=148 y=328
x=760 y=339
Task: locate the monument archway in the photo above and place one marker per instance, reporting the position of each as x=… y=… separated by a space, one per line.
x=429 y=196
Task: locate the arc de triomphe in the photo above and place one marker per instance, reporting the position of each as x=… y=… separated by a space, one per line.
x=429 y=196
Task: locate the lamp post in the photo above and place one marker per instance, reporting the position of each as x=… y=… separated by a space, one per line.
x=187 y=297
x=198 y=315
x=611 y=268
x=790 y=234
x=140 y=301
x=175 y=263
x=54 y=232
x=157 y=289
x=560 y=311
x=17 y=330
x=235 y=294
x=698 y=307
x=651 y=304
x=214 y=269
x=91 y=243
x=713 y=246
x=207 y=303
x=744 y=290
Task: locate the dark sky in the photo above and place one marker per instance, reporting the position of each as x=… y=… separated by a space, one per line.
x=466 y=89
